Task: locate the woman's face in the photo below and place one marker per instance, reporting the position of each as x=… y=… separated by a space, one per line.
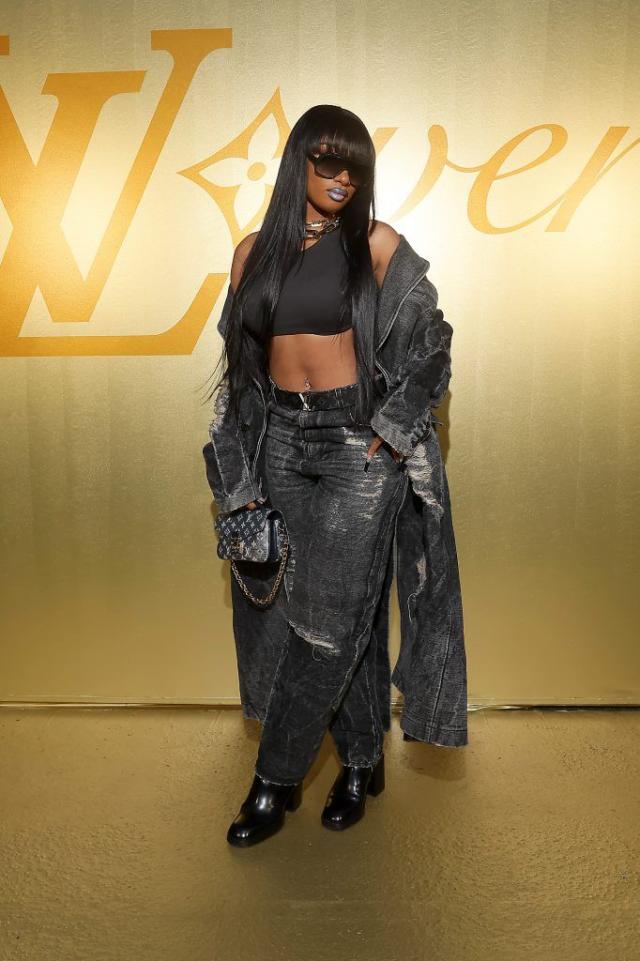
x=328 y=196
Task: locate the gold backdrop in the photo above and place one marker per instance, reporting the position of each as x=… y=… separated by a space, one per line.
x=139 y=143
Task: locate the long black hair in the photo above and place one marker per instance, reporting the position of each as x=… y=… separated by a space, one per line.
x=280 y=241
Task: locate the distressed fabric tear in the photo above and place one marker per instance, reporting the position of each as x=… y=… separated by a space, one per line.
x=314 y=637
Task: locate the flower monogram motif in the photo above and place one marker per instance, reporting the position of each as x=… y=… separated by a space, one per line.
x=240 y=176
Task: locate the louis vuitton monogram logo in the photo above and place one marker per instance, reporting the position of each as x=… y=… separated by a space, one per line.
x=35 y=195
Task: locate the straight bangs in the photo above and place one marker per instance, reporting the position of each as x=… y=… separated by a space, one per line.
x=347 y=141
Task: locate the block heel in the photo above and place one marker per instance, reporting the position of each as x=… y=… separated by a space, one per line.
x=376 y=781
x=295 y=798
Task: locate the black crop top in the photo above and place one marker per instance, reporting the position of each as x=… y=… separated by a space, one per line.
x=311 y=300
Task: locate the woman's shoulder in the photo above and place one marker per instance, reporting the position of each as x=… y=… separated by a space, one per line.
x=240 y=255
x=383 y=242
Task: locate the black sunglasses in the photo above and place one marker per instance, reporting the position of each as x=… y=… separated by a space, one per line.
x=330 y=164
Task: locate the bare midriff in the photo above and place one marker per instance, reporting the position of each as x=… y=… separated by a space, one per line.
x=312 y=361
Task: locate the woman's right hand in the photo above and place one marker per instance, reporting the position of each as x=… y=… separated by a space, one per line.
x=252 y=505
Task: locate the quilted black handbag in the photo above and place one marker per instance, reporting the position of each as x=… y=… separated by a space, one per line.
x=258 y=535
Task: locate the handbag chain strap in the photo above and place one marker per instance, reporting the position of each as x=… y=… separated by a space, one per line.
x=272 y=593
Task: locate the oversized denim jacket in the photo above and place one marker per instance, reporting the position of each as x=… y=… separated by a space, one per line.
x=413 y=356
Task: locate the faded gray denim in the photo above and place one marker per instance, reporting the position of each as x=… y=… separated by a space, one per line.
x=340 y=520
x=413 y=356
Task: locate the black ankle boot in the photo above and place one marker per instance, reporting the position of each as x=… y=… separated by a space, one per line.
x=346 y=799
x=262 y=812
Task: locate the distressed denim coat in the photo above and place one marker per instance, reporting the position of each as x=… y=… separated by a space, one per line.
x=413 y=356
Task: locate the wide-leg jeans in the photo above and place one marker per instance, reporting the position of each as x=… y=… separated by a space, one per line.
x=341 y=520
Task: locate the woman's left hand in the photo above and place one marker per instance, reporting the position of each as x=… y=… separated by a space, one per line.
x=376 y=442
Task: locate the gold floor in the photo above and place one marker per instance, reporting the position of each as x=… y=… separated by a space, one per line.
x=522 y=845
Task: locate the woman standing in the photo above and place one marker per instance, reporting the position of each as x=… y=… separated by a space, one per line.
x=301 y=323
